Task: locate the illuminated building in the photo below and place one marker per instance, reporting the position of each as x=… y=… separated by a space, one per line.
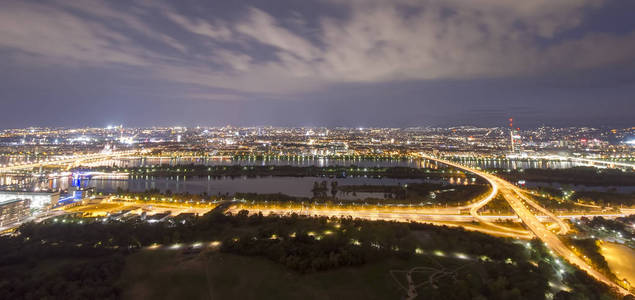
x=37 y=200
x=13 y=211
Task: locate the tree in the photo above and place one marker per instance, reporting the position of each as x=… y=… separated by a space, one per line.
x=333 y=188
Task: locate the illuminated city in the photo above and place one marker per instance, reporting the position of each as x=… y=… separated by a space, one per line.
x=150 y=176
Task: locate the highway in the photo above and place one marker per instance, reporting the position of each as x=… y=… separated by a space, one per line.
x=480 y=204
x=369 y=214
x=564 y=227
x=514 y=197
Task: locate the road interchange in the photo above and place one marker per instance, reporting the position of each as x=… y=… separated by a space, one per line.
x=514 y=197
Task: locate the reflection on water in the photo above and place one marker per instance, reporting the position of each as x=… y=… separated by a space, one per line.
x=27 y=182
x=293 y=186
x=288 y=185
x=520 y=164
x=138 y=184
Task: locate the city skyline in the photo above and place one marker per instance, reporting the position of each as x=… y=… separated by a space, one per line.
x=317 y=149
x=317 y=63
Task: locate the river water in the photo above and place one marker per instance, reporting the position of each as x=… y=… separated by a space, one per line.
x=294 y=186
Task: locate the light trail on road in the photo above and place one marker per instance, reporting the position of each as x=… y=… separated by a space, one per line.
x=475 y=207
x=564 y=227
x=439 y=220
x=510 y=192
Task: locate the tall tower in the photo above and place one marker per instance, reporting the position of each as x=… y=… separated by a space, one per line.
x=511 y=134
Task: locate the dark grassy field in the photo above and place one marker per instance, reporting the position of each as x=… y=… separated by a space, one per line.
x=171 y=275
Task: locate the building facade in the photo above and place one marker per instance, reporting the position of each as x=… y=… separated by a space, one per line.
x=37 y=200
x=13 y=211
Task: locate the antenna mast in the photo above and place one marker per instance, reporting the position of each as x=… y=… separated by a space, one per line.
x=511 y=133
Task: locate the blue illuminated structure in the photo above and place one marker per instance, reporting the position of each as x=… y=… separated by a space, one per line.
x=77 y=192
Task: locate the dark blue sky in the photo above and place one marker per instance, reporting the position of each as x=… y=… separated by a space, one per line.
x=317 y=63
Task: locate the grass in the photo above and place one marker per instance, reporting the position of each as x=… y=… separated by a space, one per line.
x=171 y=275
x=163 y=275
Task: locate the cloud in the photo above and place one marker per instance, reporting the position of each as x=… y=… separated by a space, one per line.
x=544 y=18
x=56 y=35
x=201 y=27
x=263 y=28
x=258 y=52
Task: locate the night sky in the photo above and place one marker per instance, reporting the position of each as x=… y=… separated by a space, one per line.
x=351 y=63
